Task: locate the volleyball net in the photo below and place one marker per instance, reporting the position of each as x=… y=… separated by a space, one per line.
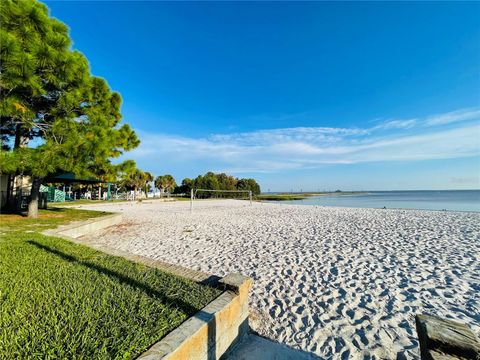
x=196 y=194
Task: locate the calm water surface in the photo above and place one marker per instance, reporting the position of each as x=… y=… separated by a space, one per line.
x=453 y=200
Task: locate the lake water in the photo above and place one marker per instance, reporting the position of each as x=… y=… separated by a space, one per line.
x=452 y=200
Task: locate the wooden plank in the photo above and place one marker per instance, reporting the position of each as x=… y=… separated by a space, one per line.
x=442 y=339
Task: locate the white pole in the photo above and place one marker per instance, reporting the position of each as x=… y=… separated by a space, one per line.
x=250 y=195
x=191 y=200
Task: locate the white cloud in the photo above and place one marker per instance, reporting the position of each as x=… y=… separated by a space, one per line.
x=274 y=136
x=396 y=124
x=306 y=147
x=454 y=116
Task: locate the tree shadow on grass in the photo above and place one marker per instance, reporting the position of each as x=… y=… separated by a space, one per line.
x=147 y=289
x=8 y=211
x=53 y=208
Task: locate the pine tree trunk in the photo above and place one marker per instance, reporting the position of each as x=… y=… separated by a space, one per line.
x=15 y=195
x=18 y=137
x=10 y=201
x=34 y=194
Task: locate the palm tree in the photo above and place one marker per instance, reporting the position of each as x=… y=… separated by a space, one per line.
x=148 y=177
x=136 y=179
x=165 y=183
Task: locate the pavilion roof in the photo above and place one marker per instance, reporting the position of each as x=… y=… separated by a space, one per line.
x=71 y=178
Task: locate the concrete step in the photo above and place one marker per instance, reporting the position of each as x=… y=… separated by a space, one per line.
x=255 y=347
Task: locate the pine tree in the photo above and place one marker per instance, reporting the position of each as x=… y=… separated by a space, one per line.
x=47 y=94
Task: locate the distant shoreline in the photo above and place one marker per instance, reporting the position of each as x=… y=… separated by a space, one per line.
x=302 y=196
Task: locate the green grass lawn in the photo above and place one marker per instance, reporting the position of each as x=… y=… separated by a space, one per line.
x=63 y=300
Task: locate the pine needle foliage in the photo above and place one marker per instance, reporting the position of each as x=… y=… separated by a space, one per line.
x=47 y=94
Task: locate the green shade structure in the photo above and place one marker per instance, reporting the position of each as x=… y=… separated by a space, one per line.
x=69 y=178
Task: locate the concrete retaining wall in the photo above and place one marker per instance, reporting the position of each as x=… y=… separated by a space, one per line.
x=80 y=228
x=213 y=330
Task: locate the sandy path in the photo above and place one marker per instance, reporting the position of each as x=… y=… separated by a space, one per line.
x=338 y=282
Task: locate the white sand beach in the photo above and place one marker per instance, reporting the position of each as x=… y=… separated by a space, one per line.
x=338 y=282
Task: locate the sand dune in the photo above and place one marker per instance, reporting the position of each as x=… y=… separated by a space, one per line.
x=338 y=282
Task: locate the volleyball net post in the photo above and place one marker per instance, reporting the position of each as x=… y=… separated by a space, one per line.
x=191 y=200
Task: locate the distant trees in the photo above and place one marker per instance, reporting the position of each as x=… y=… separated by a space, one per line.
x=134 y=179
x=187 y=185
x=249 y=184
x=222 y=181
x=165 y=183
x=208 y=181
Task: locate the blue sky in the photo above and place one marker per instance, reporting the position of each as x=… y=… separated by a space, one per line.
x=312 y=96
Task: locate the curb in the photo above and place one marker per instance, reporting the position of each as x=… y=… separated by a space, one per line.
x=80 y=228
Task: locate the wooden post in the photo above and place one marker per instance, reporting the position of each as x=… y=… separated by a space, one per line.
x=442 y=339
